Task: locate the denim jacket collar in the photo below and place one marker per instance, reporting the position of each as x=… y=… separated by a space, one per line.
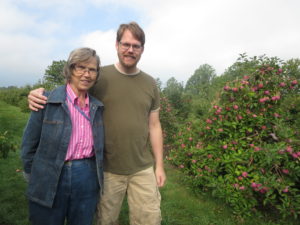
x=58 y=95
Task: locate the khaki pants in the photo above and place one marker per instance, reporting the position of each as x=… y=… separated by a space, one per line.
x=142 y=195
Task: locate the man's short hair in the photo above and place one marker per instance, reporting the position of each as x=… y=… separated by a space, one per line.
x=135 y=29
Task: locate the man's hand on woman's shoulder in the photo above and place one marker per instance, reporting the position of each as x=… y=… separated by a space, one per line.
x=36 y=99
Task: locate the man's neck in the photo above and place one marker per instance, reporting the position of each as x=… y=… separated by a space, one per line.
x=127 y=71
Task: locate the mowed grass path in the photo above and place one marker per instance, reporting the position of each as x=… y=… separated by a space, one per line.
x=180 y=206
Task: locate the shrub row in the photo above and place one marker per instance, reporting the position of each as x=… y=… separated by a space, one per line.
x=247 y=150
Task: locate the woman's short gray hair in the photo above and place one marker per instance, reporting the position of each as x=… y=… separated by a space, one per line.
x=80 y=55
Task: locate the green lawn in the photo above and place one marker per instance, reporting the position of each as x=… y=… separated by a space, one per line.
x=180 y=206
x=13 y=206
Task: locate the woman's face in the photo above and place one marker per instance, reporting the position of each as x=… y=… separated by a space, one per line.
x=84 y=75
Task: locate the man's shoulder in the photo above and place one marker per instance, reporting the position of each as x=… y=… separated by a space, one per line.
x=107 y=67
x=146 y=74
x=147 y=77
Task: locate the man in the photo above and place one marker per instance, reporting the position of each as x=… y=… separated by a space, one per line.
x=131 y=119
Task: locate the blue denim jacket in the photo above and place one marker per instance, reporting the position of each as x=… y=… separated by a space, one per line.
x=45 y=144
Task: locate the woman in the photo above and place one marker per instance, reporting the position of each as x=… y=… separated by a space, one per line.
x=62 y=148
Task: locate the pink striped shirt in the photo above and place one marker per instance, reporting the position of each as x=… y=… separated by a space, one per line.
x=81 y=142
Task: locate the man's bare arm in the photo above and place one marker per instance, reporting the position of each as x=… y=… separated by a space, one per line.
x=156 y=140
x=36 y=99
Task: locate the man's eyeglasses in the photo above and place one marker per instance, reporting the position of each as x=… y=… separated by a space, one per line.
x=125 y=46
x=82 y=69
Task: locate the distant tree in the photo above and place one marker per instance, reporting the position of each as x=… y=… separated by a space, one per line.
x=174 y=91
x=293 y=67
x=158 y=83
x=200 y=80
x=54 y=73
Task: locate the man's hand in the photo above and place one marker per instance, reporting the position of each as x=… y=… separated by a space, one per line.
x=36 y=99
x=160 y=176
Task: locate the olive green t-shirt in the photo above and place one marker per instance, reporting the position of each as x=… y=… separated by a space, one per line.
x=128 y=101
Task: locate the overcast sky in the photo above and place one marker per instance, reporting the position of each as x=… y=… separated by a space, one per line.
x=180 y=35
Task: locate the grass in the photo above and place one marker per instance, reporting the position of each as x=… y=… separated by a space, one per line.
x=12 y=120
x=180 y=205
x=13 y=205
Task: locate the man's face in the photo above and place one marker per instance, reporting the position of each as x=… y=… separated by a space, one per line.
x=129 y=50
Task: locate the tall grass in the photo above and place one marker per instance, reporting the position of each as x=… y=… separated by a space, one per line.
x=180 y=205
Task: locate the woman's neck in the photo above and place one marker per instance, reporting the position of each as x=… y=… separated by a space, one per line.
x=80 y=94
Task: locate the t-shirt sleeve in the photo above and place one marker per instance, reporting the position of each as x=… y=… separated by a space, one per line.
x=156 y=100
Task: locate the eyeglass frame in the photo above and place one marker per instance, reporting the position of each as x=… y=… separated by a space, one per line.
x=83 y=69
x=135 y=47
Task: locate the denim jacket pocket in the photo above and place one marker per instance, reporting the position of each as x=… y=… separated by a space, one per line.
x=55 y=129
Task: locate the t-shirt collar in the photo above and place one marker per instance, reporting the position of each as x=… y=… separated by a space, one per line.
x=128 y=74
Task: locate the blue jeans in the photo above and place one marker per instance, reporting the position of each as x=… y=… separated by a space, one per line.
x=76 y=197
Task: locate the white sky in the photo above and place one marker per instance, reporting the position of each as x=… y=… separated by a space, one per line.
x=180 y=35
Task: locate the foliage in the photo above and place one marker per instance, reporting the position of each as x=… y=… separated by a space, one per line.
x=54 y=74
x=199 y=107
x=158 y=83
x=12 y=124
x=6 y=144
x=247 y=150
x=242 y=66
x=174 y=91
x=292 y=68
x=202 y=87
x=168 y=122
x=199 y=81
x=16 y=96
x=13 y=210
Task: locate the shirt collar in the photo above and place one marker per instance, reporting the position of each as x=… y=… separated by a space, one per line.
x=73 y=96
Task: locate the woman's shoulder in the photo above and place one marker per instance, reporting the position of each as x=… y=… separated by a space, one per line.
x=58 y=94
x=95 y=101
